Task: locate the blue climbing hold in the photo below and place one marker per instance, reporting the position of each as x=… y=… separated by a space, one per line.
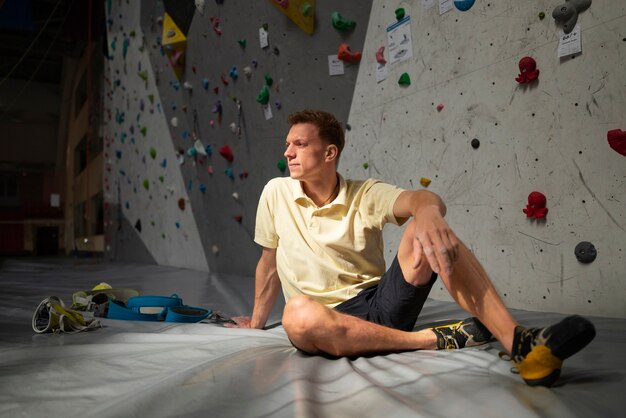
x=463 y=5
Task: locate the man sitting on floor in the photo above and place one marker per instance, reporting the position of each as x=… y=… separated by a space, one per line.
x=322 y=242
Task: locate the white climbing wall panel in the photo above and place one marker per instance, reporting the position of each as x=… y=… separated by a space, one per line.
x=128 y=159
x=550 y=136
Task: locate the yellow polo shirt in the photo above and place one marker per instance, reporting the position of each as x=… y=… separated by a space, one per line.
x=332 y=252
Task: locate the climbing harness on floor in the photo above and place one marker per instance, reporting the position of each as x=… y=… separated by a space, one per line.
x=156 y=308
x=53 y=316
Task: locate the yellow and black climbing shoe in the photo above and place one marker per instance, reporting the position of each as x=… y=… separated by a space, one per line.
x=469 y=332
x=538 y=353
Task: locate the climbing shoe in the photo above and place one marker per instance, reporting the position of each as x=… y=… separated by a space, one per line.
x=469 y=332
x=538 y=353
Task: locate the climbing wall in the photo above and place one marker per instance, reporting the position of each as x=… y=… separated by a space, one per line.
x=547 y=135
x=213 y=101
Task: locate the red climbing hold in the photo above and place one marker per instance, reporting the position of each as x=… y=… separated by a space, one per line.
x=528 y=70
x=181 y=203
x=536 y=207
x=439 y=107
x=617 y=140
x=227 y=153
x=345 y=54
x=238 y=218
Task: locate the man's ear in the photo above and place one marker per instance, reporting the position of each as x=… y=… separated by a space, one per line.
x=331 y=152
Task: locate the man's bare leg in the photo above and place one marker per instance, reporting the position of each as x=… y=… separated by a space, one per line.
x=315 y=328
x=468 y=284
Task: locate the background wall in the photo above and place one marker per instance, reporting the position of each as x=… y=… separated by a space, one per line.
x=206 y=235
x=550 y=137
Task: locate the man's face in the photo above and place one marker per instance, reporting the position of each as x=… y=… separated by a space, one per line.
x=305 y=151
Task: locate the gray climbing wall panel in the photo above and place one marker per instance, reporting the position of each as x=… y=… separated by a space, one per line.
x=549 y=136
x=297 y=63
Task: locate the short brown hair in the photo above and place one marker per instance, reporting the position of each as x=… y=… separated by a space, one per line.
x=329 y=128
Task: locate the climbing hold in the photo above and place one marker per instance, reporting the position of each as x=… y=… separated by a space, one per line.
x=192 y=152
x=617 y=140
x=177 y=225
x=366 y=165
x=208 y=150
x=188 y=86
x=202 y=188
x=217 y=107
x=161 y=179
x=236 y=196
x=216 y=89
x=340 y=23
x=269 y=80
x=153 y=153
x=585 y=252
x=224 y=79
x=210 y=170
x=243 y=175
x=143 y=130
x=234 y=74
x=181 y=204
x=174 y=121
x=118 y=153
x=264 y=95
x=567 y=13
x=536 y=207
x=226 y=152
x=439 y=107
x=242 y=43
x=278 y=104
x=306 y=8
x=424 y=181
x=143 y=75
x=205 y=83
x=542 y=15
x=528 y=70
x=233 y=127
x=400 y=13
x=215 y=22
x=254 y=63
x=238 y=218
x=247 y=71
x=282 y=3
x=199 y=147
x=475 y=143
x=194 y=69
x=404 y=80
x=463 y=5
x=212 y=123
x=229 y=173
x=190 y=185
x=345 y=54
x=151 y=98
x=138 y=225
x=380 y=58
x=215 y=249
x=146 y=184
x=282 y=165
x=164 y=163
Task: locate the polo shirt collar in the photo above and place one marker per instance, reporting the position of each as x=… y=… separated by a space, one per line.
x=300 y=197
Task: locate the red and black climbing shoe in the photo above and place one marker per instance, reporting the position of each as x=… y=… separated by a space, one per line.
x=538 y=353
x=469 y=332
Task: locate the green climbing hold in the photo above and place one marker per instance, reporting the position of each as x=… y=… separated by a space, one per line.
x=366 y=166
x=306 y=8
x=151 y=98
x=146 y=184
x=153 y=153
x=265 y=26
x=282 y=165
x=542 y=15
x=143 y=75
x=400 y=13
x=161 y=179
x=404 y=80
x=269 y=80
x=163 y=236
x=143 y=130
x=242 y=43
x=340 y=23
x=132 y=34
x=264 y=95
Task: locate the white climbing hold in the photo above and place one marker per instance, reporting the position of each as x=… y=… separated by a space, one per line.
x=174 y=121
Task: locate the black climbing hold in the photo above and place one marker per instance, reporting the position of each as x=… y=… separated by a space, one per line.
x=585 y=252
x=138 y=225
x=348 y=127
x=475 y=143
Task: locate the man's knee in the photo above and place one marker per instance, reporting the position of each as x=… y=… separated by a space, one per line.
x=302 y=316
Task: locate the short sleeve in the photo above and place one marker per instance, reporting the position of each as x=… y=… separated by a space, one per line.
x=264 y=230
x=380 y=199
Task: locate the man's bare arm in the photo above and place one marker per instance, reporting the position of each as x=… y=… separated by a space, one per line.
x=266 y=287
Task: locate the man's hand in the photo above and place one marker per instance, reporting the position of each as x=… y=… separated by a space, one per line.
x=240 y=322
x=434 y=240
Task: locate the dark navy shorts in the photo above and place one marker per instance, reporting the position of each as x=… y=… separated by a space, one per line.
x=392 y=302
